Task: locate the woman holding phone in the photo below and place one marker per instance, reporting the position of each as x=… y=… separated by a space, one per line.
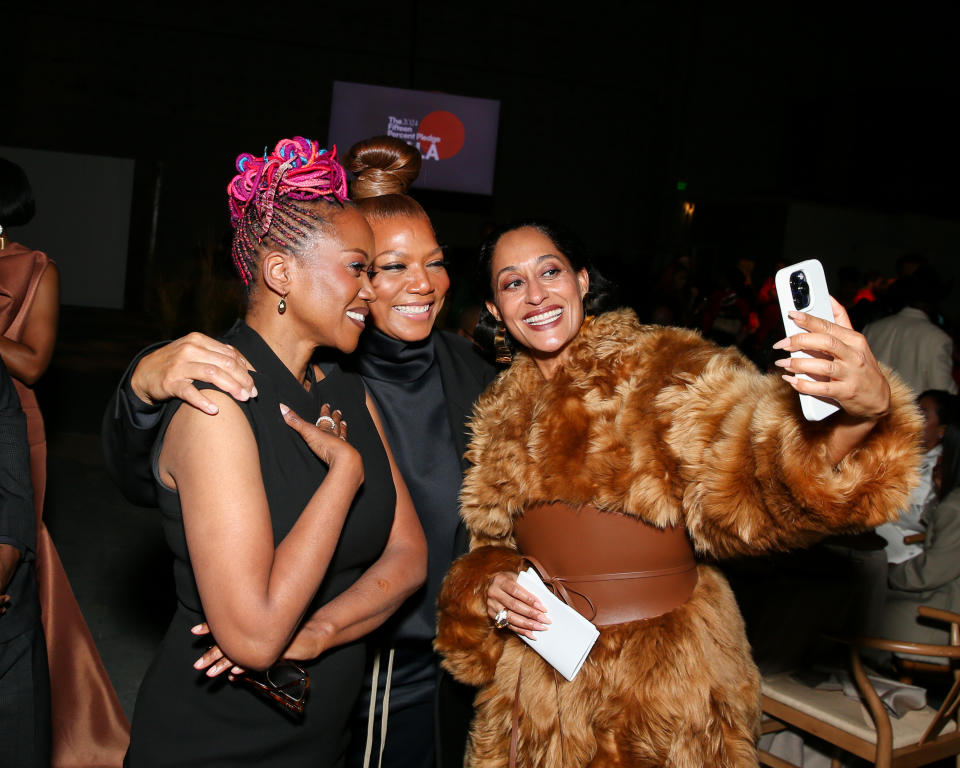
x=611 y=454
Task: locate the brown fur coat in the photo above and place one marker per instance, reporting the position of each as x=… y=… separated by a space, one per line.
x=659 y=424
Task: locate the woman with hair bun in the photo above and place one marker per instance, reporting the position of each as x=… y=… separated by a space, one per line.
x=290 y=543
x=424 y=383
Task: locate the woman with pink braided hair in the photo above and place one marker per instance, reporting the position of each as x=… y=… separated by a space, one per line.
x=423 y=382
x=292 y=539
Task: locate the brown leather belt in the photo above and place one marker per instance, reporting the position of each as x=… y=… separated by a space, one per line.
x=610 y=567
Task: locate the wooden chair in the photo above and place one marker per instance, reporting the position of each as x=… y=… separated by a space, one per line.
x=918 y=738
x=908 y=669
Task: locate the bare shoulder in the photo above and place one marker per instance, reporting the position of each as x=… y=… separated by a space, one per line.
x=197 y=439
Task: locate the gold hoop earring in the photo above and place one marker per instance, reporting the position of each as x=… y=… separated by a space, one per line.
x=282 y=305
x=500 y=346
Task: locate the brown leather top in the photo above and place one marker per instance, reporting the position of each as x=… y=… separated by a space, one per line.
x=610 y=567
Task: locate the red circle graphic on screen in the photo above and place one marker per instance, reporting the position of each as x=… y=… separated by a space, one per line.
x=447 y=128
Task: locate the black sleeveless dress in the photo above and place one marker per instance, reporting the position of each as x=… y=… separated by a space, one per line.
x=182 y=717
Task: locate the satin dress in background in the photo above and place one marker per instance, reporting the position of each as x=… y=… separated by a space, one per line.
x=89 y=729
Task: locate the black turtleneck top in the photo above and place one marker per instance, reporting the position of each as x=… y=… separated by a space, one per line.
x=404 y=380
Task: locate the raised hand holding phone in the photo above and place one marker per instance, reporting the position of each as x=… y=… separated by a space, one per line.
x=802 y=287
x=838 y=367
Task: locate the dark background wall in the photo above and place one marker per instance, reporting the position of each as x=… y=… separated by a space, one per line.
x=605 y=107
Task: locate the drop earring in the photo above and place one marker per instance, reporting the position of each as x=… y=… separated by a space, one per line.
x=282 y=305
x=500 y=346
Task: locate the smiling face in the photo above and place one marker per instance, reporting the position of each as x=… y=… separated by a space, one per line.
x=537 y=295
x=409 y=277
x=331 y=291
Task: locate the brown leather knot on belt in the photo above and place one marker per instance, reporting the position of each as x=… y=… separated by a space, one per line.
x=610 y=567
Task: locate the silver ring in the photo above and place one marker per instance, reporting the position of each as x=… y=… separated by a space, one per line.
x=500 y=620
x=328 y=419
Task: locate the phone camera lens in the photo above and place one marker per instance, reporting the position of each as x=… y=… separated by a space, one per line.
x=800 y=290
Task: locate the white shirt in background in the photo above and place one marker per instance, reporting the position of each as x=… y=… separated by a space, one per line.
x=910 y=519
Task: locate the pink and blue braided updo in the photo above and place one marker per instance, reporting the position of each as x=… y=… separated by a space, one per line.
x=264 y=198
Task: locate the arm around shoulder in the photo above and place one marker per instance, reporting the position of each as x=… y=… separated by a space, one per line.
x=159 y=373
x=127 y=434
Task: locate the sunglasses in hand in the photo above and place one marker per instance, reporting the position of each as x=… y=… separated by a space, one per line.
x=285 y=684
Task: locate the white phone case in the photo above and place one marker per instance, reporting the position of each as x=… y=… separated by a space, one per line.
x=818 y=304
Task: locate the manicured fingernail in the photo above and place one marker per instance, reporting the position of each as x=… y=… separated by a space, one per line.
x=198 y=664
x=793 y=314
x=236 y=671
x=782 y=344
x=783 y=362
x=244 y=394
x=197 y=629
x=283 y=409
x=211 y=409
x=791 y=380
x=544 y=619
x=253 y=392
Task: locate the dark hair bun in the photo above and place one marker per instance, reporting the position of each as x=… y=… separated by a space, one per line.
x=383 y=165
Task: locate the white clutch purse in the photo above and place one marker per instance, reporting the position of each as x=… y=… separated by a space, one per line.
x=566 y=642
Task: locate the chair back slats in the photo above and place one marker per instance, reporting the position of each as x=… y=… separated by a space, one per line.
x=932 y=745
x=947 y=710
x=881 y=719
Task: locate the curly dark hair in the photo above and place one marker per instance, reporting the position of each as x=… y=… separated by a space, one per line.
x=601 y=296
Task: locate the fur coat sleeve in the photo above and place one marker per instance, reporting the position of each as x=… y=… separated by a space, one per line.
x=659 y=424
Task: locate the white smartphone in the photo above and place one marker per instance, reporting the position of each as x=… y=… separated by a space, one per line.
x=803 y=287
